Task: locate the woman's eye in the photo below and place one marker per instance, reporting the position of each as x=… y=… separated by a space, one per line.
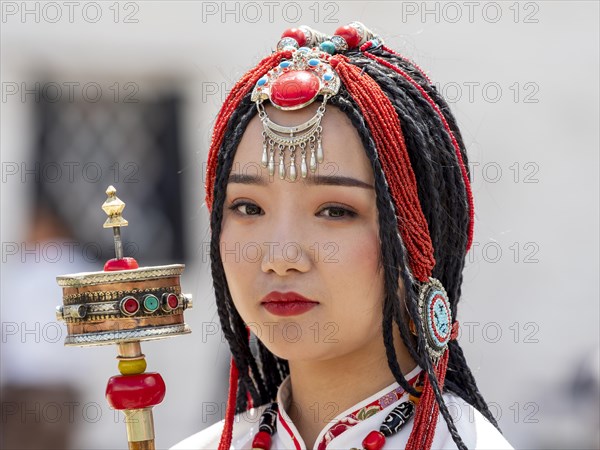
x=251 y=208
x=336 y=212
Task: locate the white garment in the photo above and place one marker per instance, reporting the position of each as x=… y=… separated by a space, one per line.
x=475 y=430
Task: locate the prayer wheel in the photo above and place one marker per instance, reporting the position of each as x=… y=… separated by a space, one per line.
x=125 y=304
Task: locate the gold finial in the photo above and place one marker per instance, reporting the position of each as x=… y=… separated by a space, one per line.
x=113 y=207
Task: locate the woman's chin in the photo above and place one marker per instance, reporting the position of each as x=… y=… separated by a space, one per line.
x=305 y=350
x=298 y=354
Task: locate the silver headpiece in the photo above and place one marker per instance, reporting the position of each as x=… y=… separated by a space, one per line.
x=294 y=84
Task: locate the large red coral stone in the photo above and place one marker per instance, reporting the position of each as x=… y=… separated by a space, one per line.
x=294 y=88
x=135 y=391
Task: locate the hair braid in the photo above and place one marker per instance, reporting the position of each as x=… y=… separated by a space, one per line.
x=391 y=308
x=250 y=378
x=390 y=259
x=413 y=110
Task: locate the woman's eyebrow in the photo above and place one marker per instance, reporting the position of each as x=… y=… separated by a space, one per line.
x=331 y=180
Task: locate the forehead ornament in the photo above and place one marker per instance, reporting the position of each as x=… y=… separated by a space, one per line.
x=294 y=84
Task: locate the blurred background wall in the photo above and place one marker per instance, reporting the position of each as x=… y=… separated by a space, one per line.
x=125 y=93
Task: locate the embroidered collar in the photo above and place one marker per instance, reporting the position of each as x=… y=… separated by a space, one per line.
x=343 y=421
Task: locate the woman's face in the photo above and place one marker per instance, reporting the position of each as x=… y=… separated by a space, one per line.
x=312 y=236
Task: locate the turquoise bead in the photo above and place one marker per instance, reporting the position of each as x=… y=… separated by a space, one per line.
x=327 y=46
x=262 y=81
x=313 y=62
x=304 y=49
x=284 y=64
x=328 y=77
x=151 y=303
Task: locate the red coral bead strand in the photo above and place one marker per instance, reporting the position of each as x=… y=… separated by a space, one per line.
x=463 y=170
x=384 y=125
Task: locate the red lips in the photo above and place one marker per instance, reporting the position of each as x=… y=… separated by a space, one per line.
x=276 y=296
x=287 y=303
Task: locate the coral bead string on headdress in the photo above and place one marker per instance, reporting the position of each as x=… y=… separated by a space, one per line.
x=387 y=134
x=463 y=169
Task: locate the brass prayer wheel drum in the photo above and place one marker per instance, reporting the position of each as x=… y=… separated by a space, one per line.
x=113 y=307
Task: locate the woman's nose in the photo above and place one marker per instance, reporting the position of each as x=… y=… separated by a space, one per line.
x=286 y=247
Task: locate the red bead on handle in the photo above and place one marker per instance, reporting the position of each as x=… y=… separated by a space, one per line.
x=135 y=391
x=120 y=264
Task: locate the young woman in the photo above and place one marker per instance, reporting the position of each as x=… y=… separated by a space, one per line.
x=341 y=214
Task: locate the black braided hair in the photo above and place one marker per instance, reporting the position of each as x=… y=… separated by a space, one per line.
x=443 y=199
